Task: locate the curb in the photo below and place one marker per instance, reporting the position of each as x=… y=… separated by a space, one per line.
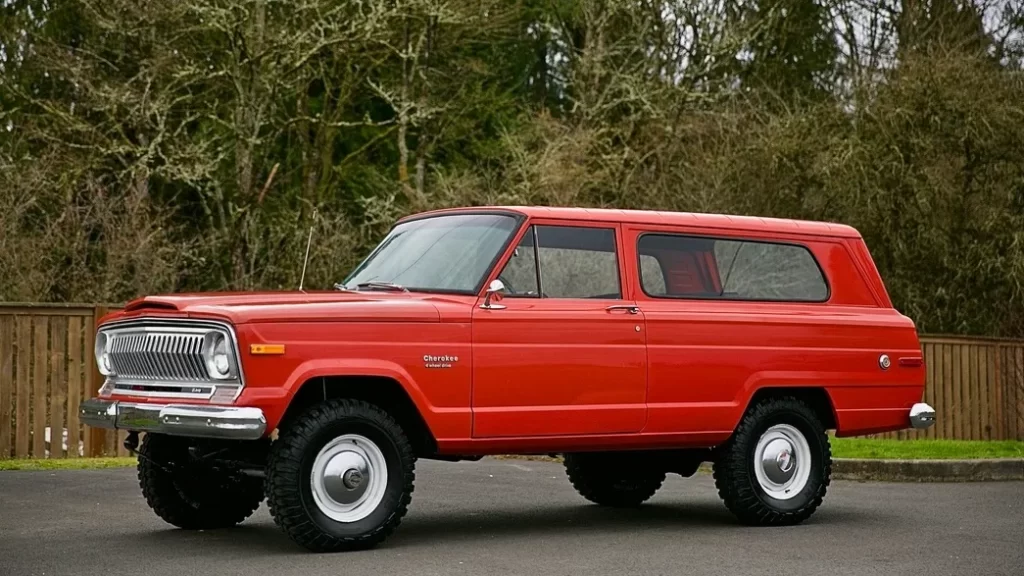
x=989 y=470
x=996 y=470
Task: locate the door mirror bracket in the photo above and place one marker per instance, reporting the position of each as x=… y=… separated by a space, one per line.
x=495 y=292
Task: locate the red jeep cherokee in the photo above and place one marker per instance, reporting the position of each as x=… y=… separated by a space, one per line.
x=635 y=343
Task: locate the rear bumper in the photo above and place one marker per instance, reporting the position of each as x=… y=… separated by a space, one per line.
x=229 y=422
x=921 y=416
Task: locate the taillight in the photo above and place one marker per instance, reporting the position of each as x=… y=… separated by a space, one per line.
x=911 y=362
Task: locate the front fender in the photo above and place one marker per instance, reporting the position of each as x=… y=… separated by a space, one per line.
x=393 y=350
x=275 y=401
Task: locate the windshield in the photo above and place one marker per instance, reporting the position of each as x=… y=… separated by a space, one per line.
x=441 y=253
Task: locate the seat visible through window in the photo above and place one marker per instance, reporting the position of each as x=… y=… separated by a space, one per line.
x=687 y=266
x=678 y=266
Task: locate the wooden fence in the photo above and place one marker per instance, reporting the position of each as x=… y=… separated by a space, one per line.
x=976 y=386
x=47 y=368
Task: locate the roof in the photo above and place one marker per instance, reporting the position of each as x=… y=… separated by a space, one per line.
x=689 y=219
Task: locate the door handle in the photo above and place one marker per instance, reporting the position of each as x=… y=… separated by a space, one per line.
x=631 y=308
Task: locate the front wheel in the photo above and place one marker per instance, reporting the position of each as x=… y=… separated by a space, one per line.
x=776 y=467
x=340 y=477
x=190 y=493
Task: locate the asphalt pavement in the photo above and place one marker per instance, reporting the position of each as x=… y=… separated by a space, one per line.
x=522 y=517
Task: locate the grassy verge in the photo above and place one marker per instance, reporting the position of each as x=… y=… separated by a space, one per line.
x=871 y=448
x=68 y=464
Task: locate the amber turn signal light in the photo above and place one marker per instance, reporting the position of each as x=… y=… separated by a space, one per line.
x=265 y=349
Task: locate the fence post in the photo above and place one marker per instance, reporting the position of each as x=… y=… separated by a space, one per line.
x=997 y=376
x=1017 y=377
x=7 y=383
x=95 y=438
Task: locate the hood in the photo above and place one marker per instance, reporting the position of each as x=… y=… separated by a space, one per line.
x=332 y=306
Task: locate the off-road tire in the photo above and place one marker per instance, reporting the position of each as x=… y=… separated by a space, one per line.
x=188 y=494
x=619 y=480
x=734 y=464
x=289 y=489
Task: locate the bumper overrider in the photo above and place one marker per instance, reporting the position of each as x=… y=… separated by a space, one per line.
x=227 y=422
x=921 y=416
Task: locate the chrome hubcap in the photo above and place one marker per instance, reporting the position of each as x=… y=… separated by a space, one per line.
x=782 y=461
x=349 y=477
x=353 y=478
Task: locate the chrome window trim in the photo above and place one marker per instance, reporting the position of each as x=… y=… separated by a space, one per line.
x=183 y=325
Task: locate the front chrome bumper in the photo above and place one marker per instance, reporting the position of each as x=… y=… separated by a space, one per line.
x=230 y=422
x=921 y=416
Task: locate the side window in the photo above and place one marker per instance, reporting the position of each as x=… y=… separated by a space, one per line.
x=574 y=262
x=696 y=267
x=520 y=273
x=652 y=275
x=578 y=262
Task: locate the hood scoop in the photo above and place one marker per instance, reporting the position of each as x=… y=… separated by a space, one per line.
x=148 y=303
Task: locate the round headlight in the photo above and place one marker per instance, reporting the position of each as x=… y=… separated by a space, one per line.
x=218 y=356
x=103 y=354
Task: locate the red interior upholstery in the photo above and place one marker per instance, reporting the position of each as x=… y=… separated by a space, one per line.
x=689 y=273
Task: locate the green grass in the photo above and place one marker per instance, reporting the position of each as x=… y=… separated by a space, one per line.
x=68 y=464
x=873 y=448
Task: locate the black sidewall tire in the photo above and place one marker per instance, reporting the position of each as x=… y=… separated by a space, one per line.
x=289 y=476
x=814 y=481
x=734 y=465
x=392 y=493
x=192 y=499
x=592 y=475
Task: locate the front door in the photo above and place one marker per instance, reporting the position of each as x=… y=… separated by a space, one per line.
x=564 y=352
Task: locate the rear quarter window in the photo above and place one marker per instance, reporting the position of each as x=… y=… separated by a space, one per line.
x=678 y=266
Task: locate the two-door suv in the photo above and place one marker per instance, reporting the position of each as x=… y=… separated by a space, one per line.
x=634 y=343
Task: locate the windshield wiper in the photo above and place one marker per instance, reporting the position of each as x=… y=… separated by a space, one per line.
x=342 y=288
x=383 y=286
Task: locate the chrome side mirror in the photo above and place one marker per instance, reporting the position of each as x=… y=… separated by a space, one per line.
x=495 y=292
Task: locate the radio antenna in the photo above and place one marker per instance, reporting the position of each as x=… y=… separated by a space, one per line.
x=309 y=241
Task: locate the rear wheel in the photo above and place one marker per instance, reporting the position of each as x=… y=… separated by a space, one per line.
x=340 y=477
x=613 y=479
x=190 y=493
x=776 y=467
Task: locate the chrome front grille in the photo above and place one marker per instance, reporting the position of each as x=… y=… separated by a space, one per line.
x=166 y=358
x=149 y=356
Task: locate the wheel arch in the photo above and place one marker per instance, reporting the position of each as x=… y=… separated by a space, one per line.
x=814 y=396
x=384 y=391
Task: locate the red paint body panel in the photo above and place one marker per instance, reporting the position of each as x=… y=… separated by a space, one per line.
x=557 y=367
x=557 y=375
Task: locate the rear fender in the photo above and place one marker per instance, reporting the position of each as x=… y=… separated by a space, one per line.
x=801 y=385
